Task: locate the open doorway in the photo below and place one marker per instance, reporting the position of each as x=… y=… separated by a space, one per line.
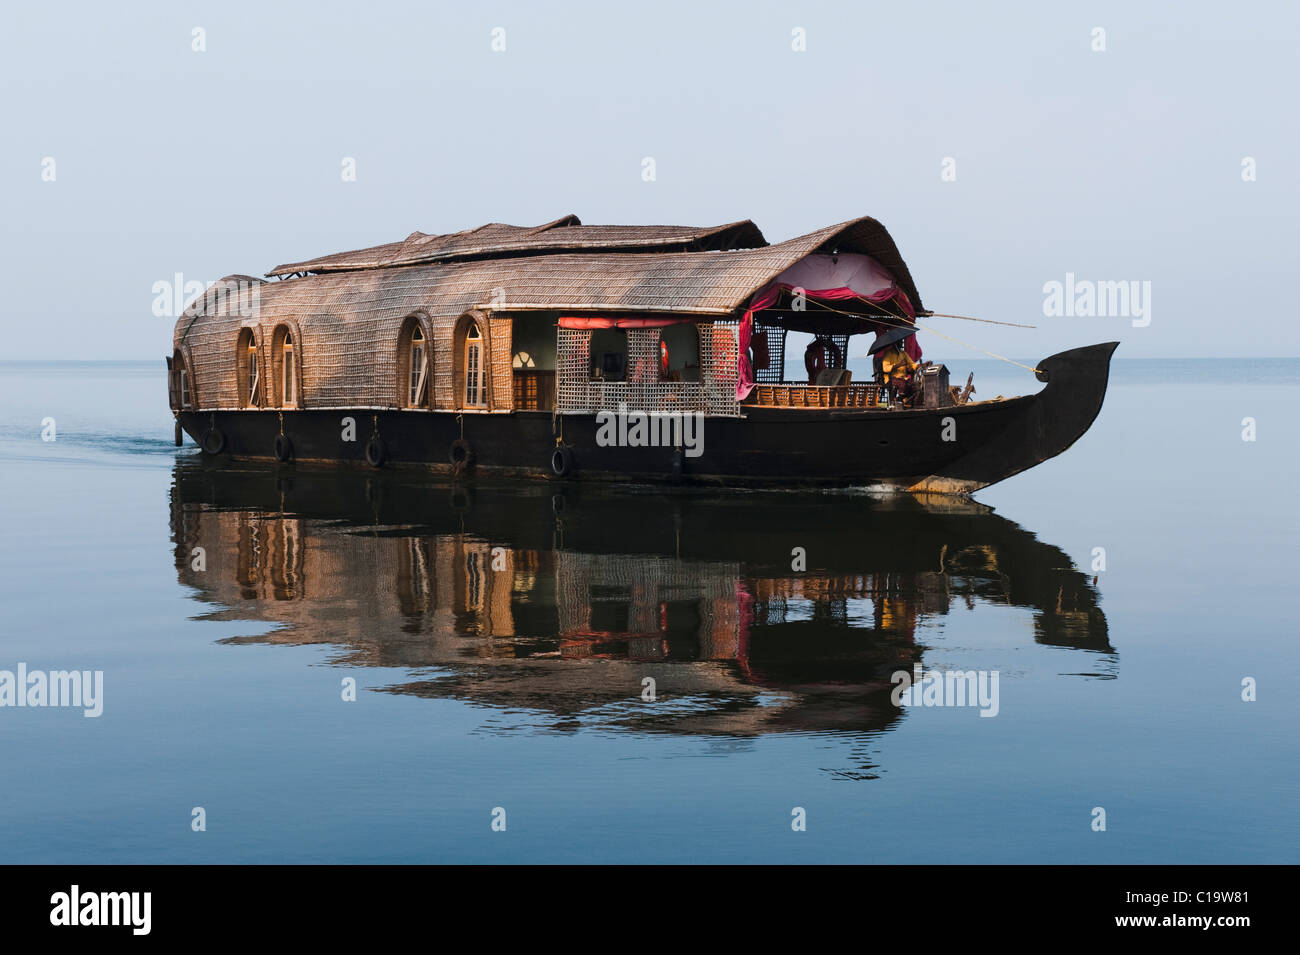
x=532 y=362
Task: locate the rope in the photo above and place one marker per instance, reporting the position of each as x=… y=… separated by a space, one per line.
x=987 y=321
x=1010 y=361
x=916 y=324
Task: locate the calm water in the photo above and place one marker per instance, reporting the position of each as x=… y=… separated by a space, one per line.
x=499 y=636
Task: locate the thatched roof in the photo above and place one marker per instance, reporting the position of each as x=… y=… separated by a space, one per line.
x=498 y=240
x=348 y=317
x=612 y=279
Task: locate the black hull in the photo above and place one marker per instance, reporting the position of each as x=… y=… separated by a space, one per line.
x=988 y=441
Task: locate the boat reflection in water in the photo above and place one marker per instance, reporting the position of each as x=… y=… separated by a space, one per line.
x=559 y=606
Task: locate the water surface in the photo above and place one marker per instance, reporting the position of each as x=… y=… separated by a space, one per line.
x=501 y=636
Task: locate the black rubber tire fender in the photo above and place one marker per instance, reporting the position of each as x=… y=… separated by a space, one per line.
x=283 y=447
x=376 y=453
x=562 y=461
x=461 y=454
x=214 y=442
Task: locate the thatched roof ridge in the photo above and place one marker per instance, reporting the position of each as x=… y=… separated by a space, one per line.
x=704 y=283
x=497 y=239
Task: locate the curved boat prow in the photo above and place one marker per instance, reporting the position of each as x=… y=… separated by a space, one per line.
x=1055 y=418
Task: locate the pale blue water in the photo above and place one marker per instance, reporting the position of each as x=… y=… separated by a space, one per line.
x=1137 y=710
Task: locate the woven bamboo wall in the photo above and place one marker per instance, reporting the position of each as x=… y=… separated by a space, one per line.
x=441 y=364
x=500 y=375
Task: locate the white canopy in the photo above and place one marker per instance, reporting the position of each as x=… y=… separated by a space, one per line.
x=853 y=270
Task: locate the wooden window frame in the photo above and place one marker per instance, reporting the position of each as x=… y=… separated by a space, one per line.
x=288 y=371
x=417 y=389
x=254 y=374
x=477 y=380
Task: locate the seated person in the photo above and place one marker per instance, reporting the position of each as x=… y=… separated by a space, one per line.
x=894 y=370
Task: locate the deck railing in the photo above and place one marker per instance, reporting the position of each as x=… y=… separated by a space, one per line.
x=816 y=396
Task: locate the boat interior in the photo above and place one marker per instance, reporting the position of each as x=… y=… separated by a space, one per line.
x=827 y=381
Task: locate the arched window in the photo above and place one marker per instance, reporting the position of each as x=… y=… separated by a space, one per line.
x=471 y=351
x=248 y=370
x=475 y=368
x=287 y=387
x=413 y=386
x=284 y=374
x=178 y=381
x=254 y=377
x=418 y=371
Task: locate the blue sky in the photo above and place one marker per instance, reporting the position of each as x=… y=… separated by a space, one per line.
x=1115 y=165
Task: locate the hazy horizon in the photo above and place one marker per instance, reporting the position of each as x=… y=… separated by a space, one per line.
x=132 y=156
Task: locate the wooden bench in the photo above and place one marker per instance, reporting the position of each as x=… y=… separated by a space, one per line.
x=816 y=396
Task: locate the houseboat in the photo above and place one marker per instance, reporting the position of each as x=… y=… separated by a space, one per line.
x=641 y=353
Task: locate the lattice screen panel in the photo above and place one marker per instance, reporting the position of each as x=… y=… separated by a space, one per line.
x=774 y=373
x=577 y=393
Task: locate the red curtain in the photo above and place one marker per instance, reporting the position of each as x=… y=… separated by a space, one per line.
x=603 y=321
x=766 y=297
